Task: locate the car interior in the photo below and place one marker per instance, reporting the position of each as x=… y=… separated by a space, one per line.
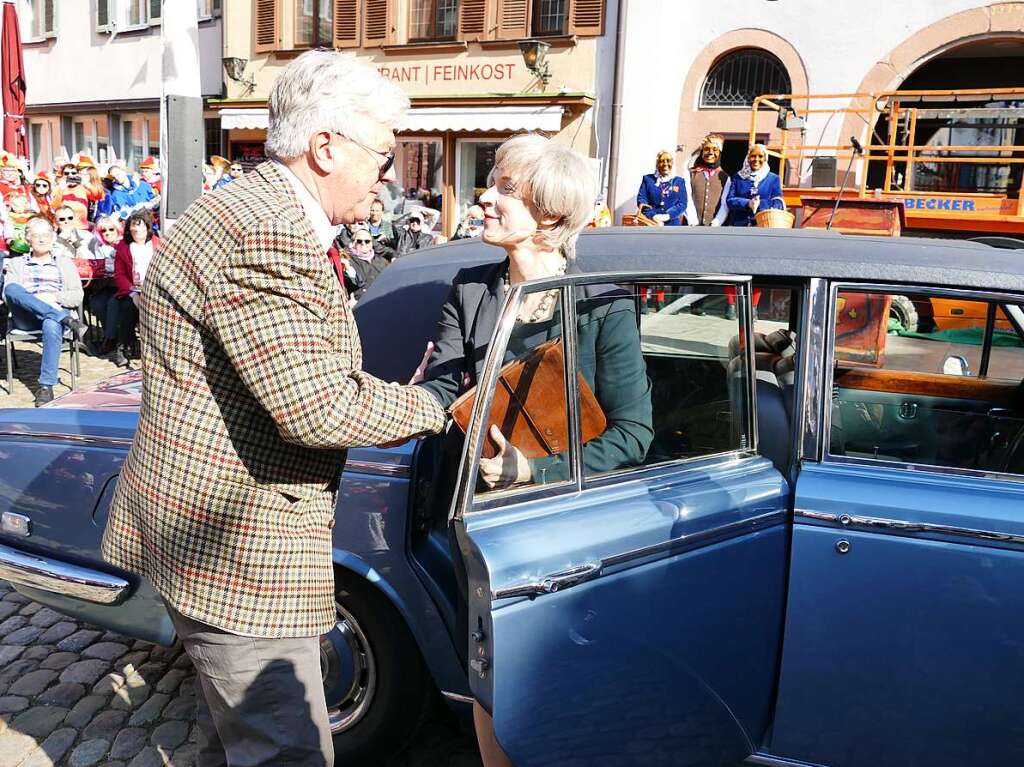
x=947 y=394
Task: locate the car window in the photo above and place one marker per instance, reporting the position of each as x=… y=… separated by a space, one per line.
x=662 y=375
x=696 y=367
x=912 y=383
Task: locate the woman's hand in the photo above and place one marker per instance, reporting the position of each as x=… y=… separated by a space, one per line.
x=508 y=467
x=421 y=369
x=661 y=218
x=754 y=204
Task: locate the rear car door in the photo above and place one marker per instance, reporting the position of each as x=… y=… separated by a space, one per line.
x=625 y=599
x=904 y=627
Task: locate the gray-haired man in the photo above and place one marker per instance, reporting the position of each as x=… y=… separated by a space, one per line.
x=251 y=393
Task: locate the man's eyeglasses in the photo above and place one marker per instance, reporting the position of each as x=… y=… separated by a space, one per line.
x=476 y=222
x=389 y=157
x=65 y=219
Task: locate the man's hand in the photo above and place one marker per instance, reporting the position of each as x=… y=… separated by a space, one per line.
x=508 y=467
x=421 y=369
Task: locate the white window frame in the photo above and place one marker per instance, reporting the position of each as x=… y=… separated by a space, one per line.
x=206 y=11
x=27 y=14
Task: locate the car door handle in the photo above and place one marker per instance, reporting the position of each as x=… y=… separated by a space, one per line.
x=549 y=584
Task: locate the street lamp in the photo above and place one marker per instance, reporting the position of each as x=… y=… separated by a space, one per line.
x=235 y=67
x=535 y=53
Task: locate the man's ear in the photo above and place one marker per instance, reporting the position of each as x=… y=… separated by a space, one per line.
x=323 y=154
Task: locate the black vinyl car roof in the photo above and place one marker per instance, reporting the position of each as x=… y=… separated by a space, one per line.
x=399 y=313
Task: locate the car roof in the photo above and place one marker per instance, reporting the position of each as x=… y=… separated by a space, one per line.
x=399 y=312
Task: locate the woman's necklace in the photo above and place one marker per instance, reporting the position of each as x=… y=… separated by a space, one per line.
x=548 y=297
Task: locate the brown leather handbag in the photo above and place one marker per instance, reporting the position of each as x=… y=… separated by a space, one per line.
x=529 y=405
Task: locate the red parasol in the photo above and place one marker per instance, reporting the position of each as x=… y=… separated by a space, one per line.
x=12 y=72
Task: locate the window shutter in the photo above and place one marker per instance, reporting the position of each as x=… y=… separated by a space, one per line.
x=48 y=25
x=586 y=17
x=473 y=20
x=379 y=23
x=346 y=23
x=513 y=19
x=154 y=9
x=266 y=21
x=102 y=13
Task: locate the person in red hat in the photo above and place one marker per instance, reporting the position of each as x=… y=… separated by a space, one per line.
x=149 y=170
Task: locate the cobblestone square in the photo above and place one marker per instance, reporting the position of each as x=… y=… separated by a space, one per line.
x=75 y=696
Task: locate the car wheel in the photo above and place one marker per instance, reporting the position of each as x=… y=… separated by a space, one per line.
x=904 y=312
x=376 y=685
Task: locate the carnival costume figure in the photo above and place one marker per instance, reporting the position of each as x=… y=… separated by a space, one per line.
x=663 y=197
x=709 y=184
x=753 y=189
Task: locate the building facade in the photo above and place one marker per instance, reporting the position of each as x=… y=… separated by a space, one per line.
x=94 y=70
x=711 y=61
x=460 y=63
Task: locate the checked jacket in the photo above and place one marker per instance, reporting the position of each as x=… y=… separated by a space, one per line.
x=252 y=391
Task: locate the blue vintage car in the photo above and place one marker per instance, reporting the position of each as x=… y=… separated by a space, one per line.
x=815 y=559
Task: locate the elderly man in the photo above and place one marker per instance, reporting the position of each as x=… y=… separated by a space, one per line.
x=252 y=391
x=40 y=288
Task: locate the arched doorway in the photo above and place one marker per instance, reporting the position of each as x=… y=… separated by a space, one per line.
x=722 y=83
x=981 y=120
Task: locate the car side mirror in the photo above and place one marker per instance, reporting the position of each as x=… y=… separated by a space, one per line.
x=955 y=365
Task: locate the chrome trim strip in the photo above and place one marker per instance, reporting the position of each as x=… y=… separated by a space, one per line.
x=746 y=316
x=591 y=570
x=457 y=698
x=729 y=529
x=811 y=343
x=897 y=526
x=924 y=468
x=378 y=468
x=571 y=357
x=767 y=760
x=76 y=438
x=60 y=577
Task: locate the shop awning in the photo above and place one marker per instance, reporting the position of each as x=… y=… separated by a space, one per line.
x=254 y=118
x=458 y=119
x=473 y=119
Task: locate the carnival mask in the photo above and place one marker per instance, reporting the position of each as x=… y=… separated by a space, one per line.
x=664 y=164
x=710 y=154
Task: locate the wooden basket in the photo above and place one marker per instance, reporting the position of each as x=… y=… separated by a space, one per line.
x=773 y=218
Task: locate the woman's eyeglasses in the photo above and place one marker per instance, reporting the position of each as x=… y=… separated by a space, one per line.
x=363 y=242
x=111 y=230
x=65 y=219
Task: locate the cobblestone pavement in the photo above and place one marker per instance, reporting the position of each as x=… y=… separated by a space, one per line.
x=73 y=695
x=26 y=376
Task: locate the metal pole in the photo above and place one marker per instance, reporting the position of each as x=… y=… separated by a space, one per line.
x=616 y=128
x=857 y=150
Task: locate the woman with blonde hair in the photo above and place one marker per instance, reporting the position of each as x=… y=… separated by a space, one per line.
x=540 y=196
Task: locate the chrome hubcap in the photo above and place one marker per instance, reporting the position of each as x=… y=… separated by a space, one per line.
x=349 y=672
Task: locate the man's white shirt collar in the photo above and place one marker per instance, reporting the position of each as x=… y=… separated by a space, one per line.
x=322 y=226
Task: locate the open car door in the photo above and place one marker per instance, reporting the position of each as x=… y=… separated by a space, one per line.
x=626 y=581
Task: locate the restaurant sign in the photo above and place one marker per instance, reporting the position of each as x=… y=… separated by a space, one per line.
x=431 y=73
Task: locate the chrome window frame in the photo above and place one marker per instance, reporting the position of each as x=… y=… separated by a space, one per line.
x=829 y=379
x=464 y=501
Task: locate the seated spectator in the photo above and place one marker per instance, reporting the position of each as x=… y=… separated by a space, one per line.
x=75 y=241
x=368 y=264
x=102 y=291
x=472 y=225
x=127 y=195
x=382 y=232
x=412 y=238
x=132 y=257
x=40 y=288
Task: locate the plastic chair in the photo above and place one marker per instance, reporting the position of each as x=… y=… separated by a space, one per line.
x=69 y=344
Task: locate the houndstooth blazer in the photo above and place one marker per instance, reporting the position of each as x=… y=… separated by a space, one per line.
x=252 y=390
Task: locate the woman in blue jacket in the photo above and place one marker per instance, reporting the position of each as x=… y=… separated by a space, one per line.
x=664 y=197
x=753 y=189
